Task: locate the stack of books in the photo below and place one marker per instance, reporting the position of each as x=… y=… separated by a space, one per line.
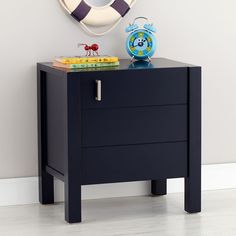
x=86 y=62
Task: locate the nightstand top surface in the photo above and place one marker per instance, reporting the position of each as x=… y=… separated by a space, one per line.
x=125 y=64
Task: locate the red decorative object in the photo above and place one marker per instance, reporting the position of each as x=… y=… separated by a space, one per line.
x=90 y=50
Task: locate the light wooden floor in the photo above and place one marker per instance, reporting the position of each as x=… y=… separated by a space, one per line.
x=140 y=216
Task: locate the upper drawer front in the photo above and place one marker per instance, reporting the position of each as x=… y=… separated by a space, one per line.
x=135 y=88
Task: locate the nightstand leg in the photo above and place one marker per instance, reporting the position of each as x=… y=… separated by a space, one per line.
x=72 y=203
x=73 y=161
x=46 y=188
x=192 y=195
x=159 y=187
x=193 y=180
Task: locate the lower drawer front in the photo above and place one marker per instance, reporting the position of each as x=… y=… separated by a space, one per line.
x=107 y=127
x=134 y=162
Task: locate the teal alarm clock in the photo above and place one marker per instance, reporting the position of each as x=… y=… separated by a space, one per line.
x=141 y=42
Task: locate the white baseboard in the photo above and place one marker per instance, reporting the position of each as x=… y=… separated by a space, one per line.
x=20 y=191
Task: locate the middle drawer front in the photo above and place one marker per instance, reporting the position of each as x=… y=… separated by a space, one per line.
x=139 y=125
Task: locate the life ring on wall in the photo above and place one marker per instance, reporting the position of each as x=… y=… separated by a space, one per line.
x=108 y=15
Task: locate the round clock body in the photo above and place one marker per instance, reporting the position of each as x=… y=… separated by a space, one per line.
x=141 y=44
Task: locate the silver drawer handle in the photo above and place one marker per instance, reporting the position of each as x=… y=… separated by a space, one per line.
x=99 y=90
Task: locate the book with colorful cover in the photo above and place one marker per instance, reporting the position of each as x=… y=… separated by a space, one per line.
x=84 y=60
x=86 y=65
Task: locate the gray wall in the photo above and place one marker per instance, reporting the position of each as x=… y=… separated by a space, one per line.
x=201 y=32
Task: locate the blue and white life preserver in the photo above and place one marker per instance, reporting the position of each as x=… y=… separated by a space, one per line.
x=108 y=15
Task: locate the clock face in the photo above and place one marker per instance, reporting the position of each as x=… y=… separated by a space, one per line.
x=141 y=44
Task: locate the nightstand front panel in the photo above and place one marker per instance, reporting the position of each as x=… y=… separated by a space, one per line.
x=134 y=162
x=139 y=125
x=135 y=88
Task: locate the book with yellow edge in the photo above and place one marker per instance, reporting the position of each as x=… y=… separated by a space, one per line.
x=86 y=65
x=84 y=60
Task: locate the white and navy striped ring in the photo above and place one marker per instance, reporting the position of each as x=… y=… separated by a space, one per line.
x=97 y=16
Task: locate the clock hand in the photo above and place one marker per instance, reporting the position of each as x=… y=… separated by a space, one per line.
x=142 y=42
x=148 y=42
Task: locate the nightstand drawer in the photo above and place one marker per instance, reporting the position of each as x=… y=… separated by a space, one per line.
x=134 y=88
x=134 y=162
x=124 y=126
